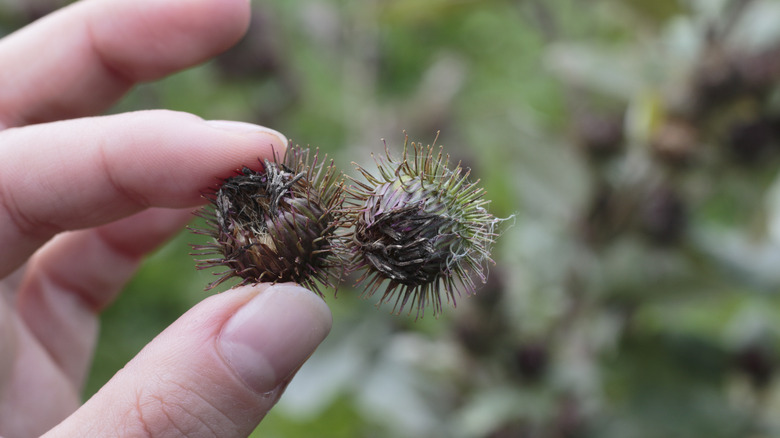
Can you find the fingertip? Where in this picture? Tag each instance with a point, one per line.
(269, 338)
(277, 137)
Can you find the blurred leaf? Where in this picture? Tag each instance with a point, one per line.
(659, 11)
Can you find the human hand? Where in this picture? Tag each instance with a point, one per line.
(81, 202)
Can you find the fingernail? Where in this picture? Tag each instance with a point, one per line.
(271, 336)
(244, 127)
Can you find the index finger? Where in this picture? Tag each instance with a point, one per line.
(87, 172)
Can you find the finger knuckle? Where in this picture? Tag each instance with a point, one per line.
(181, 411)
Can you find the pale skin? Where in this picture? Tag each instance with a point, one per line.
(83, 199)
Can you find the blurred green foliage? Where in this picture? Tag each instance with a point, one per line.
(636, 141)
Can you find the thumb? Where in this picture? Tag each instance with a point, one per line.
(216, 371)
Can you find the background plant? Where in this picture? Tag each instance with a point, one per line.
(636, 139)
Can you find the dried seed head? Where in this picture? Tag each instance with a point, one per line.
(275, 225)
(420, 229)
